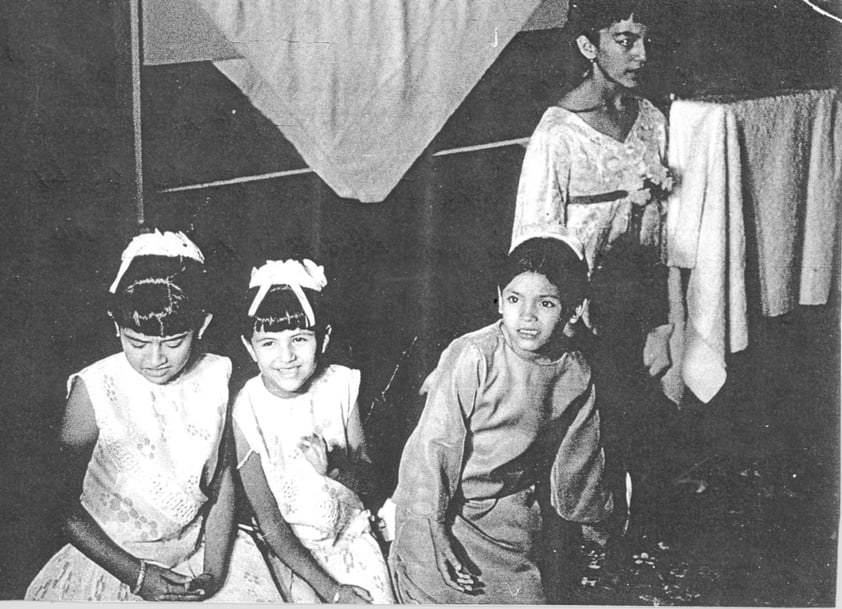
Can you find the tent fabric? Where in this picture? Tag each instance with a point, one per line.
(361, 88)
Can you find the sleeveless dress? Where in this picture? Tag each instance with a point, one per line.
(328, 518)
(157, 446)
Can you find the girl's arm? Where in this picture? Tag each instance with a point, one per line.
(78, 437)
(280, 537)
(220, 522)
(433, 459)
(579, 492)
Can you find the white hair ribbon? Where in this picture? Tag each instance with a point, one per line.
(156, 244)
(292, 273)
(550, 231)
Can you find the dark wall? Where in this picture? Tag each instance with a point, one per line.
(415, 265)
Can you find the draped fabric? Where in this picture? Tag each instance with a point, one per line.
(361, 88)
(777, 159)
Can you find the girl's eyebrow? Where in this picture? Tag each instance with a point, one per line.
(172, 339)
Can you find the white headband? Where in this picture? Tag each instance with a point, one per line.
(156, 244)
(292, 273)
(550, 231)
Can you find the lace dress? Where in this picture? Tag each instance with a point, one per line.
(612, 194)
(328, 518)
(157, 446)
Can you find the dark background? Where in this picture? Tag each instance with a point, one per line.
(415, 265)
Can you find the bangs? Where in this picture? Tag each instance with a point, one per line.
(281, 310)
(555, 260)
(155, 307)
(594, 15)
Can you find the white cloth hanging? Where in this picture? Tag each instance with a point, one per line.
(705, 233)
(361, 87)
(783, 155)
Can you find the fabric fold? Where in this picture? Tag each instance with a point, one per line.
(706, 234)
(361, 88)
(778, 158)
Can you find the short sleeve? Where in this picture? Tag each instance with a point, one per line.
(246, 430)
(544, 180)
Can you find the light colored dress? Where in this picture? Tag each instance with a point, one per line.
(588, 181)
(498, 421)
(328, 517)
(157, 446)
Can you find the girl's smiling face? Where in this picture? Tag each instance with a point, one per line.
(532, 310)
(286, 359)
(158, 359)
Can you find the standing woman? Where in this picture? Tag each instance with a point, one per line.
(596, 163)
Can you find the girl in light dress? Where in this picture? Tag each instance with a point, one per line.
(300, 446)
(151, 511)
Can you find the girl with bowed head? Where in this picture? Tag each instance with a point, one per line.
(144, 431)
(300, 446)
(596, 163)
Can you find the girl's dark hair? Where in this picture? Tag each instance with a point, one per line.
(281, 310)
(160, 296)
(588, 17)
(553, 259)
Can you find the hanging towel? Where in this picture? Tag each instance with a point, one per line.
(360, 87)
(792, 158)
(705, 233)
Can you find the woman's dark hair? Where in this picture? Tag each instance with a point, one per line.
(555, 260)
(160, 296)
(281, 310)
(588, 17)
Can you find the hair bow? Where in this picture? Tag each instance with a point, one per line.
(295, 274)
(550, 231)
(156, 244)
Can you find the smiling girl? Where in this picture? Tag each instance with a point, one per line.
(150, 508)
(510, 412)
(300, 445)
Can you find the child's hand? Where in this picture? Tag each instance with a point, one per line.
(205, 585)
(314, 448)
(352, 595)
(656, 352)
(160, 584)
(596, 534)
(451, 569)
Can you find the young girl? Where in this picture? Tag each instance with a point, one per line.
(145, 430)
(300, 446)
(509, 407)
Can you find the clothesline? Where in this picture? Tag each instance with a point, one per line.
(305, 170)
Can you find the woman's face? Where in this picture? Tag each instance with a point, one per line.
(621, 52)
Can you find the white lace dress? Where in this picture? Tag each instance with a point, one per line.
(157, 445)
(327, 517)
